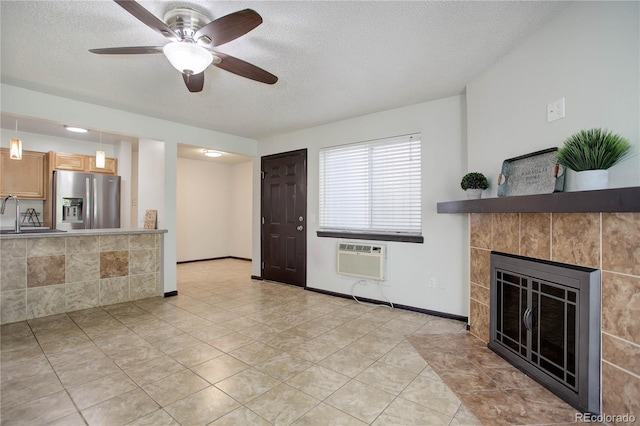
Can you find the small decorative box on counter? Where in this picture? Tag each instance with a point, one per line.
(529, 174)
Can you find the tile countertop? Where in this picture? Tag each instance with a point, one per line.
(83, 233)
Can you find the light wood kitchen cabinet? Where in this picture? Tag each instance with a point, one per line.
(110, 166)
(67, 161)
(81, 163)
(23, 178)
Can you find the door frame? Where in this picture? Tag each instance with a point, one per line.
(306, 191)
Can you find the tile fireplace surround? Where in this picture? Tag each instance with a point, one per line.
(609, 241)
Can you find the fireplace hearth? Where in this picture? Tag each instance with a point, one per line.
(545, 320)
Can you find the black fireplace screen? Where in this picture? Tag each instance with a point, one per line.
(545, 320)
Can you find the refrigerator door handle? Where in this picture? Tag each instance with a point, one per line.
(87, 213)
(95, 203)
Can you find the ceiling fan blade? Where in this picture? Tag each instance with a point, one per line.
(148, 18)
(244, 69)
(134, 50)
(229, 27)
(194, 82)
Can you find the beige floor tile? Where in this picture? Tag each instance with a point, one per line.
(73, 419)
(9, 358)
(39, 411)
(255, 353)
(317, 343)
(174, 387)
(282, 405)
(314, 350)
(196, 354)
(120, 409)
(283, 366)
(360, 400)
(318, 382)
(102, 389)
(433, 394)
(23, 369)
(406, 413)
(247, 385)
(73, 375)
(175, 343)
(401, 326)
(219, 368)
(25, 389)
(231, 341)
(156, 418)
(347, 363)
(371, 347)
(286, 340)
(127, 358)
(241, 416)
(202, 408)
(408, 360)
(323, 414)
(153, 370)
(61, 360)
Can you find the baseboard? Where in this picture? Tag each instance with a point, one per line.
(214, 258)
(405, 307)
(171, 293)
(257, 277)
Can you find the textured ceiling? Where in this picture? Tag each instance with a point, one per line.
(334, 59)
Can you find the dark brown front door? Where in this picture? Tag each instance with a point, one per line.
(284, 216)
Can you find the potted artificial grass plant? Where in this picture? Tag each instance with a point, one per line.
(474, 183)
(590, 153)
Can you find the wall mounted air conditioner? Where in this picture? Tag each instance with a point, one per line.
(362, 260)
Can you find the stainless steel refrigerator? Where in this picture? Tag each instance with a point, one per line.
(85, 200)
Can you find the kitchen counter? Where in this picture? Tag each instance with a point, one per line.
(30, 232)
(48, 273)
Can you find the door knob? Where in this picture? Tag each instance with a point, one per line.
(300, 228)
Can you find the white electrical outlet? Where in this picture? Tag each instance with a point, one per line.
(555, 110)
(432, 282)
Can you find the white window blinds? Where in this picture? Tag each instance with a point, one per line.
(372, 187)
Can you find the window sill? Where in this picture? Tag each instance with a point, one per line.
(375, 237)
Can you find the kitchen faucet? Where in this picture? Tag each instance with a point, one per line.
(4, 203)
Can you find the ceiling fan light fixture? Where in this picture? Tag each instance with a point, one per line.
(211, 153)
(188, 58)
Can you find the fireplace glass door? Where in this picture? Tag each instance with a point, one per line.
(537, 320)
(545, 320)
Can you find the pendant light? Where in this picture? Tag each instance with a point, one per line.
(15, 147)
(100, 156)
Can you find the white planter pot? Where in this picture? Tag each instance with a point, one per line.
(592, 179)
(474, 194)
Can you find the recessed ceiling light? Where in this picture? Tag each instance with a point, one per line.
(211, 153)
(75, 129)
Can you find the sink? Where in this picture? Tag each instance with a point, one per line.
(30, 231)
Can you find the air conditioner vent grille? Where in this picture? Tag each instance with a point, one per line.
(361, 260)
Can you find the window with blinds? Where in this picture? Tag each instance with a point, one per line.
(372, 187)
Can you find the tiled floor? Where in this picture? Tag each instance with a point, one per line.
(232, 351)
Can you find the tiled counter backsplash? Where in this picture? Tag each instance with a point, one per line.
(47, 276)
(607, 241)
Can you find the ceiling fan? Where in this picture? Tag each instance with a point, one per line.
(192, 39)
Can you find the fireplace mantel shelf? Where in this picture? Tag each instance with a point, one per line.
(607, 200)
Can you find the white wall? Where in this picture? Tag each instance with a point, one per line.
(151, 179)
(214, 210)
(409, 265)
(241, 207)
(590, 56)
